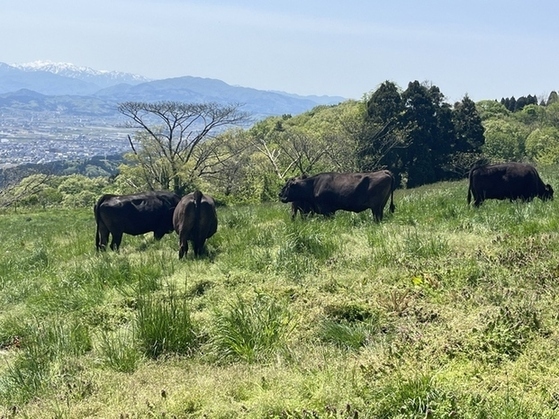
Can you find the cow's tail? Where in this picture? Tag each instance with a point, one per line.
(470, 187)
(392, 207)
(197, 204)
(197, 228)
(197, 197)
(97, 221)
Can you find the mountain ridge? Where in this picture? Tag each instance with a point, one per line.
(101, 77)
(65, 83)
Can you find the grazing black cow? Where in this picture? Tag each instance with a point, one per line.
(327, 193)
(507, 181)
(133, 214)
(194, 219)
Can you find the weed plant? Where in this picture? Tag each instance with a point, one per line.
(250, 330)
(441, 310)
(165, 326)
(119, 351)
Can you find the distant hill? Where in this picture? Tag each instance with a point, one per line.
(96, 166)
(81, 91)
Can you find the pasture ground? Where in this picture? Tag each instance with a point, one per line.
(440, 311)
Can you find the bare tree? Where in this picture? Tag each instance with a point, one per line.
(170, 136)
(225, 160)
(294, 149)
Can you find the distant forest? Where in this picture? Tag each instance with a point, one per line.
(105, 166)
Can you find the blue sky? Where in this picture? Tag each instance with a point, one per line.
(487, 49)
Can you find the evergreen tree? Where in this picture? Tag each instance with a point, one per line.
(381, 137)
(385, 104)
(512, 104)
(469, 129)
(429, 132)
(553, 98)
(470, 138)
(520, 103)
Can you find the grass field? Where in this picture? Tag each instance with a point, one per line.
(440, 311)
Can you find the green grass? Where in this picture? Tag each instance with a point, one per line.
(441, 310)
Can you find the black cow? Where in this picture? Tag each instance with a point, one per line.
(194, 219)
(327, 193)
(507, 181)
(133, 214)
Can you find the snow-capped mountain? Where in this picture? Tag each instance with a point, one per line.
(82, 90)
(102, 78)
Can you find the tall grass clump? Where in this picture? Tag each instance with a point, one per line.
(238, 218)
(424, 245)
(382, 244)
(348, 335)
(251, 330)
(418, 397)
(164, 325)
(304, 247)
(48, 343)
(350, 326)
(119, 351)
(36, 259)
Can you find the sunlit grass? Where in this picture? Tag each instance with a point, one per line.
(441, 308)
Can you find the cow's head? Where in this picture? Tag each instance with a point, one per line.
(292, 189)
(285, 191)
(547, 193)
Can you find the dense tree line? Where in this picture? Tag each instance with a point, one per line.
(515, 105)
(531, 134)
(413, 132)
(431, 140)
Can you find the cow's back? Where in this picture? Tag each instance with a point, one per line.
(183, 215)
(133, 214)
(139, 213)
(353, 192)
(194, 219)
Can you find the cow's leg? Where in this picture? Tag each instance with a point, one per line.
(158, 235)
(115, 242)
(377, 214)
(183, 246)
(102, 238)
(199, 246)
(196, 244)
(293, 211)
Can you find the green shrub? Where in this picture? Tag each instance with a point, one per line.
(165, 326)
(251, 330)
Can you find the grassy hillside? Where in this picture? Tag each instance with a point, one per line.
(440, 311)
